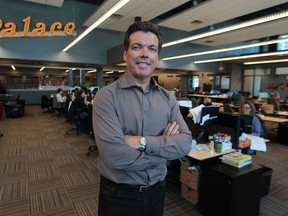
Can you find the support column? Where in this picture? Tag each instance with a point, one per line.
(70, 77)
(82, 77)
(99, 76)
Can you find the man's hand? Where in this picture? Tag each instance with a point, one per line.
(171, 129)
(134, 141)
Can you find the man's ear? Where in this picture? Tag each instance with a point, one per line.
(125, 56)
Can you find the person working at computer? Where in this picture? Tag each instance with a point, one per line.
(276, 96)
(285, 102)
(60, 101)
(59, 97)
(138, 127)
(248, 108)
(80, 103)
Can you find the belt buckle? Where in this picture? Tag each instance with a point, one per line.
(144, 189)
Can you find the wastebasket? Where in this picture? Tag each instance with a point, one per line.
(266, 180)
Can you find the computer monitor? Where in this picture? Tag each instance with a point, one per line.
(226, 123)
(263, 95)
(215, 92)
(232, 92)
(246, 122)
(208, 115)
(246, 94)
(207, 87)
(91, 88)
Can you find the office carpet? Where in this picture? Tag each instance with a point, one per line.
(43, 171)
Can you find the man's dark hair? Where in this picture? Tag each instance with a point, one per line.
(145, 27)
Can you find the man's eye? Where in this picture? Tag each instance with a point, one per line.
(153, 49)
(136, 47)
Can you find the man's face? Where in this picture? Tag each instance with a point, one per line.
(142, 55)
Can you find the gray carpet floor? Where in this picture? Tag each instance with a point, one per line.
(43, 171)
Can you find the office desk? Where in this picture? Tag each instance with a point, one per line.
(213, 98)
(206, 154)
(229, 191)
(282, 113)
(274, 119)
(190, 181)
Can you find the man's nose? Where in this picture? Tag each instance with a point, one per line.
(144, 51)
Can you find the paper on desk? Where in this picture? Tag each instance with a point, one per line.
(257, 143)
(185, 103)
(196, 113)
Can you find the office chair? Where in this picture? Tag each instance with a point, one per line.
(77, 122)
(46, 103)
(15, 109)
(227, 108)
(80, 124)
(194, 102)
(274, 103)
(91, 148)
(238, 99)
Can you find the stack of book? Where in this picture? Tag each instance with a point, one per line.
(237, 159)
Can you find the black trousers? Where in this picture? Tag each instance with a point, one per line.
(123, 200)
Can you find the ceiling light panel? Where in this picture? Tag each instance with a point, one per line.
(56, 3)
(219, 11)
(277, 27)
(147, 10)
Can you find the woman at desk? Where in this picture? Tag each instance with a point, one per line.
(247, 108)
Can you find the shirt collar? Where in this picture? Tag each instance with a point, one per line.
(127, 81)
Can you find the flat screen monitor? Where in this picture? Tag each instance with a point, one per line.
(263, 95)
(215, 91)
(207, 87)
(246, 122)
(246, 94)
(208, 115)
(227, 123)
(91, 88)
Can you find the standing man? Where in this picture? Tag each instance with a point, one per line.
(138, 127)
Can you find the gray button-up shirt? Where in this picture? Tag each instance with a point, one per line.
(122, 108)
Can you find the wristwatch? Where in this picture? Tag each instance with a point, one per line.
(142, 144)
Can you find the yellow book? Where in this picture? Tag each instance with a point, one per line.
(237, 157)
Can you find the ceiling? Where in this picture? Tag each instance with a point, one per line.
(193, 16)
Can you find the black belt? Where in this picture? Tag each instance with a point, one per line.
(134, 188)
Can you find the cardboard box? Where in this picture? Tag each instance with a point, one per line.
(189, 194)
(189, 177)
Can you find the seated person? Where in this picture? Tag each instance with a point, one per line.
(248, 108)
(286, 100)
(60, 101)
(59, 97)
(276, 95)
(80, 105)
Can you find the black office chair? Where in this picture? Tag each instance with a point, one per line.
(46, 104)
(15, 109)
(274, 103)
(238, 99)
(81, 125)
(228, 108)
(91, 148)
(194, 102)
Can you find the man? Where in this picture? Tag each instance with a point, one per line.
(138, 127)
